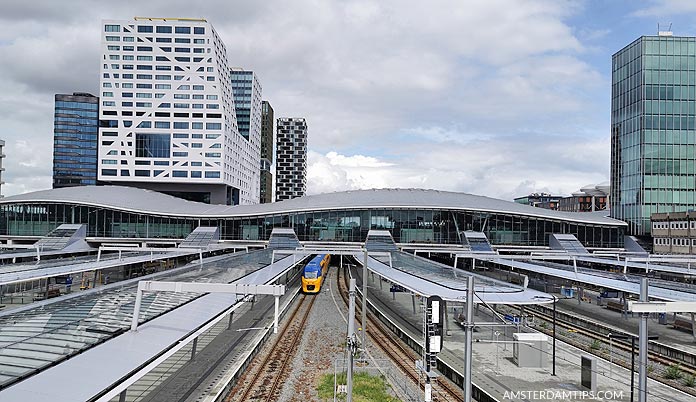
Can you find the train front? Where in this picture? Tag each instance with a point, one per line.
(312, 277)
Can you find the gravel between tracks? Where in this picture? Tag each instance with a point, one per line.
(322, 343)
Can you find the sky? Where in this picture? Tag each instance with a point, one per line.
(491, 97)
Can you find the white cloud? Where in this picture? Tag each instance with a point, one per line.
(467, 96)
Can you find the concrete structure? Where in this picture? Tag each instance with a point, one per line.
(2, 169)
(653, 121)
(267, 151)
(75, 127)
(167, 117)
(674, 232)
(410, 215)
(291, 165)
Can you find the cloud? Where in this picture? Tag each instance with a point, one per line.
(466, 96)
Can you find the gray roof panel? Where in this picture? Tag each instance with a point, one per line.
(151, 202)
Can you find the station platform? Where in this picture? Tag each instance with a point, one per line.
(629, 323)
(493, 367)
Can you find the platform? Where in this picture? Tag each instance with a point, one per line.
(492, 363)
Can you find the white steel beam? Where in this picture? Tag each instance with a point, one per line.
(662, 307)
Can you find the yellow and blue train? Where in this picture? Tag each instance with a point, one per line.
(314, 273)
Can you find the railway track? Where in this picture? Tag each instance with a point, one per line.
(659, 362)
(401, 355)
(266, 378)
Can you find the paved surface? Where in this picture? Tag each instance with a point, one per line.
(495, 372)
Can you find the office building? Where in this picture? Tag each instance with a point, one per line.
(246, 90)
(540, 200)
(167, 113)
(291, 162)
(674, 232)
(653, 129)
(75, 127)
(267, 150)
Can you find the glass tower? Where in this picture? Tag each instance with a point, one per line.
(76, 122)
(653, 133)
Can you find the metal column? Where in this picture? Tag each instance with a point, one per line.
(643, 346)
(275, 317)
(350, 343)
(364, 300)
(469, 332)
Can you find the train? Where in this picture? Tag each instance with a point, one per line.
(314, 273)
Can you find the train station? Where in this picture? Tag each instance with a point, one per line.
(154, 298)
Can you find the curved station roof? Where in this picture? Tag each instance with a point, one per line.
(150, 202)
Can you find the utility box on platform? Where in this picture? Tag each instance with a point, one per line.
(530, 349)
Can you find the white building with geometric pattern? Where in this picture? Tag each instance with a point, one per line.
(167, 114)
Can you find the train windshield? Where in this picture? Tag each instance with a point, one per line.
(311, 274)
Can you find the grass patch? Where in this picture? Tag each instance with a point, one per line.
(366, 388)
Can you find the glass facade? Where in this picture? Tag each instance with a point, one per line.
(653, 129)
(152, 146)
(75, 127)
(440, 226)
(242, 87)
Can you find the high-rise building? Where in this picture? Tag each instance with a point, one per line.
(653, 140)
(267, 148)
(291, 161)
(246, 90)
(167, 115)
(75, 127)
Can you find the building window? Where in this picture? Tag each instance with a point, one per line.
(112, 28)
(152, 145)
(108, 172)
(182, 30)
(164, 29)
(212, 175)
(145, 29)
(179, 173)
(199, 30)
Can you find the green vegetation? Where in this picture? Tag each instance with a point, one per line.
(596, 344)
(673, 372)
(366, 388)
(689, 381)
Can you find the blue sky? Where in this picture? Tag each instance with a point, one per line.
(492, 97)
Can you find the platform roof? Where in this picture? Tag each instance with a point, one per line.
(430, 278)
(11, 274)
(104, 314)
(650, 266)
(620, 282)
(151, 202)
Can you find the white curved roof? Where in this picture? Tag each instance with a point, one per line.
(150, 202)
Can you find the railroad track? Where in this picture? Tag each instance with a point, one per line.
(265, 380)
(655, 358)
(403, 356)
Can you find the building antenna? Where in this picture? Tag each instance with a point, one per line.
(667, 32)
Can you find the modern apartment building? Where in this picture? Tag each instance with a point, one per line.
(75, 129)
(246, 90)
(291, 161)
(267, 150)
(653, 129)
(167, 113)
